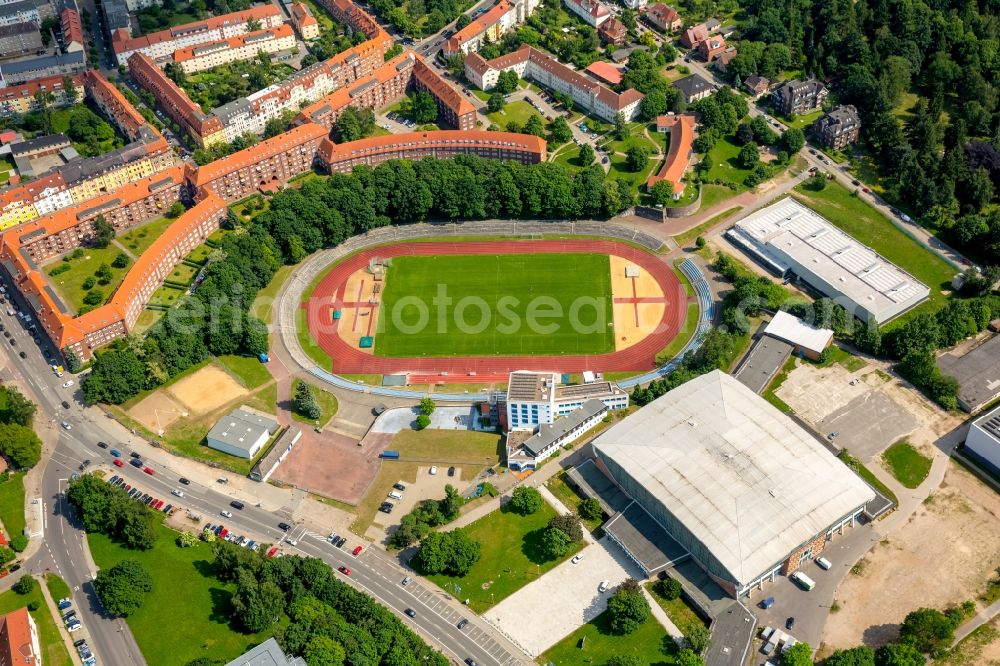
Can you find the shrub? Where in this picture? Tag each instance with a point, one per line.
(628, 608)
(26, 585)
(526, 500)
(89, 282)
(669, 589)
(590, 509)
(19, 542)
(423, 421)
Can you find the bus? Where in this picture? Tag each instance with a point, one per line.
(804, 581)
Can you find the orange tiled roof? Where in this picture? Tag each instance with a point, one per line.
(301, 14)
(17, 646)
(125, 114)
(477, 27)
(441, 89)
(263, 150)
(605, 71)
(681, 138)
(122, 42)
(332, 153)
(283, 30)
(71, 26)
(29, 88)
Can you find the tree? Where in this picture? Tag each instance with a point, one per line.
(698, 637)
(19, 410)
(304, 401)
(427, 406)
(69, 90)
(744, 134)
(687, 657)
(590, 509)
(186, 539)
(926, 629)
(861, 655)
(662, 192)
(20, 445)
(506, 82)
(627, 608)
(26, 585)
(463, 21)
(653, 105)
(749, 156)
(104, 232)
(526, 500)
(354, 124)
(123, 587)
(6, 555)
(256, 604)
(816, 183)
(620, 131)
(323, 650)
(176, 210)
(495, 103)
(452, 553)
(555, 543)
(19, 542)
(669, 588)
(637, 157)
(585, 156)
(899, 654)
(423, 108)
(569, 524)
(534, 126)
(793, 140)
(624, 660)
(116, 376)
(559, 131)
(799, 654)
(121, 260)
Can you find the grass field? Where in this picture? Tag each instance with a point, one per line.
(594, 643)
(262, 306)
(566, 494)
(139, 239)
(679, 612)
(683, 336)
(186, 615)
(722, 158)
(517, 111)
(12, 503)
(248, 370)
(54, 652)
(500, 292)
(511, 557)
(57, 587)
(802, 120)
(868, 226)
(326, 401)
(908, 465)
(691, 235)
(70, 283)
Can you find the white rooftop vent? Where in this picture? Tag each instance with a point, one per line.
(870, 269)
(843, 250)
(819, 233)
(899, 287)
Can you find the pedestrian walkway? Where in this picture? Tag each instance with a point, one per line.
(54, 610)
(981, 618)
(662, 617)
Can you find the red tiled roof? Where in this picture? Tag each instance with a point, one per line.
(16, 646)
(122, 42)
(679, 153)
(188, 53)
(71, 26)
(441, 89)
(477, 27)
(29, 88)
(662, 14)
(605, 71)
(301, 14)
(332, 153)
(263, 150)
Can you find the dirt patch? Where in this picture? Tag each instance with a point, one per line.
(633, 319)
(206, 390)
(330, 465)
(157, 411)
(942, 556)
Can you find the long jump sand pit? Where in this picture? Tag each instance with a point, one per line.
(639, 302)
(157, 411)
(206, 390)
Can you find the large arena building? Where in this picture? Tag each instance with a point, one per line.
(787, 237)
(736, 485)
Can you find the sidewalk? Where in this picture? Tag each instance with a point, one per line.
(662, 617)
(57, 616)
(981, 618)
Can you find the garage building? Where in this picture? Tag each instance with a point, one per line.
(742, 488)
(242, 432)
(787, 237)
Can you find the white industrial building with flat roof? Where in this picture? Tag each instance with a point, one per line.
(242, 432)
(740, 486)
(983, 442)
(788, 237)
(804, 339)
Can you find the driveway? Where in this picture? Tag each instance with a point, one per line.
(541, 613)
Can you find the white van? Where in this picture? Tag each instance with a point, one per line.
(394, 495)
(823, 563)
(803, 580)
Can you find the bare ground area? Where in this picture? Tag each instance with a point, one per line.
(943, 555)
(206, 390)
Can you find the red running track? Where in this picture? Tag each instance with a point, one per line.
(641, 356)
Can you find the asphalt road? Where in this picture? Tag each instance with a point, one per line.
(64, 548)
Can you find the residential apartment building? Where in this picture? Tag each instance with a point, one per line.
(161, 45)
(106, 173)
(537, 398)
(796, 96)
(25, 11)
(344, 157)
(116, 17)
(546, 71)
(664, 17)
(18, 39)
(23, 97)
(592, 12)
(695, 35)
(305, 23)
(115, 107)
(21, 71)
(271, 162)
(241, 47)
(19, 643)
(72, 30)
(693, 88)
(494, 24)
(453, 108)
(839, 128)
(348, 13)
(635, 4)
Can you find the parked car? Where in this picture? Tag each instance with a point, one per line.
(823, 563)
(433, 470)
(117, 462)
(357, 550)
(463, 623)
(134, 455)
(399, 486)
(577, 558)
(451, 471)
(406, 581)
(344, 570)
(603, 587)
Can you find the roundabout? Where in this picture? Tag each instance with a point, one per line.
(474, 311)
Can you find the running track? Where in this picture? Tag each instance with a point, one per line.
(329, 295)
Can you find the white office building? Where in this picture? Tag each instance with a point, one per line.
(983, 442)
(787, 237)
(537, 398)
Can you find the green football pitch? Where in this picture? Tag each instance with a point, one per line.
(506, 304)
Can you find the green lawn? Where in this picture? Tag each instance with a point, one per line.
(54, 652)
(678, 610)
(691, 235)
(327, 404)
(166, 295)
(57, 587)
(868, 226)
(12, 503)
(146, 321)
(263, 302)
(518, 111)
(683, 336)
(308, 344)
(568, 495)
(714, 194)
(568, 158)
(139, 239)
(511, 557)
(858, 467)
(637, 179)
(186, 615)
(449, 446)
(635, 138)
(722, 158)
(908, 465)
(183, 273)
(594, 643)
(248, 370)
(501, 304)
(70, 283)
(803, 120)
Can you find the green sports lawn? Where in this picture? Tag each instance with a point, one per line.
(507, 287)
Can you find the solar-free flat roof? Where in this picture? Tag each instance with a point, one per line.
(977, 372)
(745, 480)
(793, 330)
(790, 229)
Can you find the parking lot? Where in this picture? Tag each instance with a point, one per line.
(540, 614)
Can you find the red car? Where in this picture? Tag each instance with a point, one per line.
(148, 470)
(357, 551)
(117, 462)
(865, 190)
(271, 553)
(158, 504)
(344, 570)
(223, 533)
